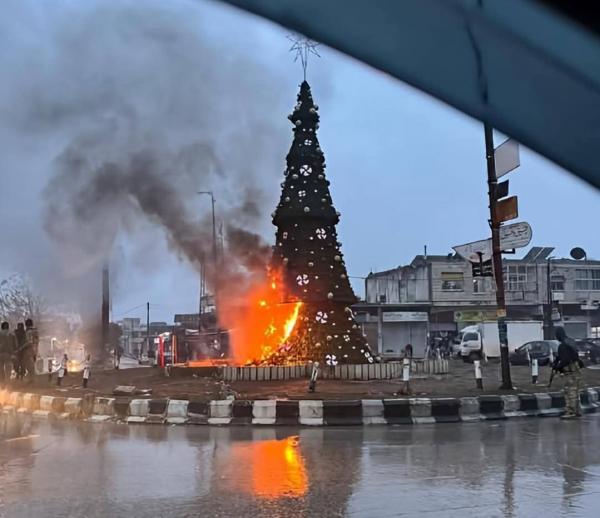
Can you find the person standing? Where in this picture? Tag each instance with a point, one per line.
(21, 339)
(8, 347)
(569, 365)
(62, 370)
(31, 350)
(87, 370)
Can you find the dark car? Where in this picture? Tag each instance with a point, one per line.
(589, 351)
(539, 350)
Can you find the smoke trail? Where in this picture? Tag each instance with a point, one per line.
(131, 108)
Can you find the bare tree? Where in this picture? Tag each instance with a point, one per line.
(18, 301)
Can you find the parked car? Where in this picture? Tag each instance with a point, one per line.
(538, 349)
(589, 351)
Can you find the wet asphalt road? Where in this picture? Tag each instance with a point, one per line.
(520, 468)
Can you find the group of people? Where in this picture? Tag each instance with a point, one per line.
(18, 351)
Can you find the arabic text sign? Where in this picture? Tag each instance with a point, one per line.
(516, 235)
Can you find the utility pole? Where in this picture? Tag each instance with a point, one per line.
(148, 328)
(495, 225)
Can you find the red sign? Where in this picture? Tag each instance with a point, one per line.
(507, 209)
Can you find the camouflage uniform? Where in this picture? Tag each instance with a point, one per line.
(569, 365)
(572, 377)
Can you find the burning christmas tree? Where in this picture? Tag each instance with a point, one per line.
(307, 266)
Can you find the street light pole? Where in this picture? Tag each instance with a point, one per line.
(495, 225)
(148, 328)
(200, 299)
(214, 228)
(215, 255)
(549, 325)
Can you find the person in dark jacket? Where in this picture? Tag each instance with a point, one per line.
(30, 351)
(569, 365)
(8, 346)
(21, 337)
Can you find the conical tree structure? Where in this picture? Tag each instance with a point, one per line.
(307, 254)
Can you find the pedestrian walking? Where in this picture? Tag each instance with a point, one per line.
(118, 354)
(87, 370)
(62, 370)
(21, 338)
(569, 365)
(8, 346)
(408, 351)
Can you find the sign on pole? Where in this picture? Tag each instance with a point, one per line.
(507, 209)
(516, 235)
(512, 236)
(471, 251)
(506, 156)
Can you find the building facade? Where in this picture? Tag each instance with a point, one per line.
(435, 296)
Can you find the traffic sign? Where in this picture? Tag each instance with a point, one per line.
(476, 250)
(502, 190)
(515, 235)
(512, 236)
(507, 209)
(506, 156)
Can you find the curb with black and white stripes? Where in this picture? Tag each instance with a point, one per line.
(291, 412)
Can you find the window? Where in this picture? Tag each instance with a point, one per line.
(481, 285)
(557, 283)
(587, 279)
(470, 337)
(519, 278)
(538, 347)
(453, 281)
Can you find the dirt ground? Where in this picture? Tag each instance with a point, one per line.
(460, 382)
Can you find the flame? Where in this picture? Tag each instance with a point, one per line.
(290, 323)
(261, 323)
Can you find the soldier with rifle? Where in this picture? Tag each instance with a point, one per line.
(568, 364)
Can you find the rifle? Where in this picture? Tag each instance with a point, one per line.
(553, 372)
(551, 377)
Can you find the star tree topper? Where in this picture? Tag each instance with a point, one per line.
(303, 47)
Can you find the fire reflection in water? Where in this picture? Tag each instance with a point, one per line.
(272, 469)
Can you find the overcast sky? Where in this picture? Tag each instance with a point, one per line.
(406, 170)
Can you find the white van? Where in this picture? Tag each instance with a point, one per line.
(483, 339)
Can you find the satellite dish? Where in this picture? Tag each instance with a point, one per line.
(578, 253)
